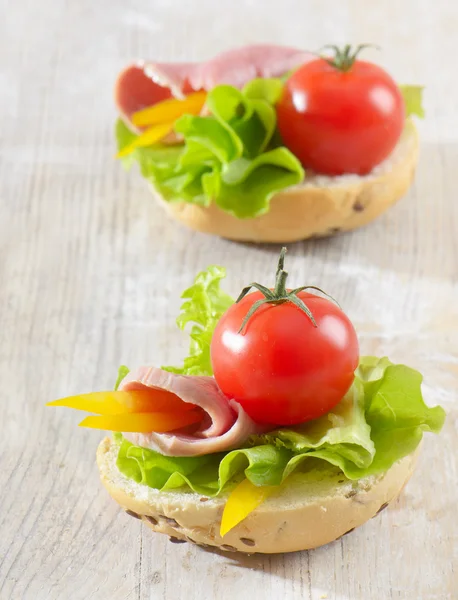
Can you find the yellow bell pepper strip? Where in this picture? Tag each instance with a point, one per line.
(116, 403)
(144, 422)
(169, 110)
(243, 500)
(147, 138)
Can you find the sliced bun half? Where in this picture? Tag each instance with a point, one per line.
(307, 512)
(320, 206)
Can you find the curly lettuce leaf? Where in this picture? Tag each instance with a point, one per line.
(241, 129)
(252, 120)
(145, 466)
(122, 372)
(204, 304)
(342, 436)
(381, 420)
(151, 158)
(207, 134)
(256, 181)
(269, 89)
(209, 474)
(395, 410)
(384, 423)
(413, 100)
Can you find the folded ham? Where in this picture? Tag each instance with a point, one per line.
(239, 66)
(147, 83)
(225, 424)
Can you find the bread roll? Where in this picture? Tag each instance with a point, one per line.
(308, 510)
(320, 206)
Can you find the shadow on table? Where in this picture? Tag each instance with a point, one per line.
(403, 240)
(267, 562)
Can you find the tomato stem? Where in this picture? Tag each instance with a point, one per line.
(280, 284)
(344, 58)
(279, 295)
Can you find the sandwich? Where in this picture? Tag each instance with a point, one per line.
(269, 143)
(274, 435)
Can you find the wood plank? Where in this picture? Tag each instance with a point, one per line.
(91, 272)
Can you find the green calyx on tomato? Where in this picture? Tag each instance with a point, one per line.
(345, 57)
(279, 294)
(283, 366)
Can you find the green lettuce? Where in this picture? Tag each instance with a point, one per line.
(381, 419)
(232, 157)
(204, 304)
(122, 372)
(365, 435)
(209, 474)
(269, 89)
(413, 100)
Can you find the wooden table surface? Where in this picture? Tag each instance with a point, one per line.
(91, 272)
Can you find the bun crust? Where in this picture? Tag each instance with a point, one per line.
(320, 207)
(306, 513)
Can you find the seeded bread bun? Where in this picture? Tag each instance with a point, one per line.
(307, 512)
(321, 206)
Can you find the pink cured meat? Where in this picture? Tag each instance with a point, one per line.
(239, 66)
(147, 83)
(225, 426)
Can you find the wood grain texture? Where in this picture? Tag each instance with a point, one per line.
(91, 271)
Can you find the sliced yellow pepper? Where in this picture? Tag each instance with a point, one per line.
(117, 403)
(243, 500)
(143, 422)
(147, 138)
(169, 110)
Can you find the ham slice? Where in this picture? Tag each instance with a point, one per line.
(146, 83)
(239, 66)
(224, 426)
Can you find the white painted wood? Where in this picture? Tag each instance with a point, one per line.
(90, 277)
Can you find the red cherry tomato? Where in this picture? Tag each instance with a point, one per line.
(282, 368)
(342, 118)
